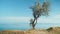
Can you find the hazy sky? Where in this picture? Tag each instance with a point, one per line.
(18, 11)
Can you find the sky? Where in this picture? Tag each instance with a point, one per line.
(19, 11)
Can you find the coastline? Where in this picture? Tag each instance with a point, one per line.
(51, 30)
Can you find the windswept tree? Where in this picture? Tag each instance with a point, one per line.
(38, 11)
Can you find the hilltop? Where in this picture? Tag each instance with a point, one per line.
(51, 30)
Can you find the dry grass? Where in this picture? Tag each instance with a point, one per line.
(52, 30)
(11, 32)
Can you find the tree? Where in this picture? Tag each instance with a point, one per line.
(38, 11)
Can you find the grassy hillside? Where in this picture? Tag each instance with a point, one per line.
(11, 32)
(51, 30)
(54, 30)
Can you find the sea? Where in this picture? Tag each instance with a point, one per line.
(25, 26)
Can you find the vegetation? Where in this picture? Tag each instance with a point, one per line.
(38, 11)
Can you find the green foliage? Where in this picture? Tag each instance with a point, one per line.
(38, 11)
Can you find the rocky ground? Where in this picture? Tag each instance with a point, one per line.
(51, 30)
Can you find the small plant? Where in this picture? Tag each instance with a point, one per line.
(50, 29)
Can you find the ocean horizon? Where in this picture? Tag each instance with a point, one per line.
(26, 26)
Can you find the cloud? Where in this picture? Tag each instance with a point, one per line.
(14, 19)
(57, 16)
(52, 19)
(49, 20)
